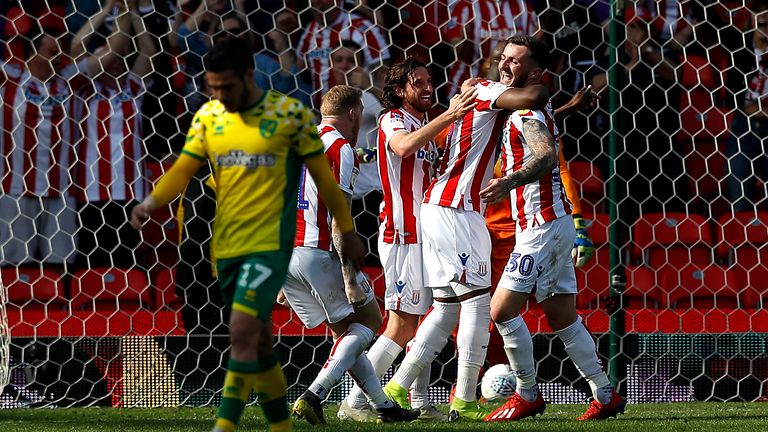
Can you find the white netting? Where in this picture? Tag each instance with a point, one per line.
(124, 319)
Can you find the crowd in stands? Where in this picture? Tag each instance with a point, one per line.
(93, 92)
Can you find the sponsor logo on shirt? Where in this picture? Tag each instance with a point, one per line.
(319, 53)
(243, 159)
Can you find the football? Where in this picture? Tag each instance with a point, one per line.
(498, 383)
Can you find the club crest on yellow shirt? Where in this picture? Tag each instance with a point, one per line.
(267, 127)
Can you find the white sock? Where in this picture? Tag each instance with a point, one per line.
(363, 374)
(518, 345)
(420, 388)
(343, 355)
(382, 354)
(581, 349)
(431, 337)
(472, 340)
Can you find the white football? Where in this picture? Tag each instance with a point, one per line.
(498, 383)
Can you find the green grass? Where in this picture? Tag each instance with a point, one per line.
(698, 417)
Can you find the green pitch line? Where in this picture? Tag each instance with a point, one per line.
(693, 417)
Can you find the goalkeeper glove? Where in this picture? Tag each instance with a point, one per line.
(366, 155)
(583, 249)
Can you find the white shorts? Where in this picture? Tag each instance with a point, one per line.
(541, 262)
(404, 278)
(36, 229)
(314, 287)
(457, 247)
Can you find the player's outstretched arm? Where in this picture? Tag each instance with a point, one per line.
(584, 100)
(350, 248)
(533, 97)
(169, 187)
(405, 144)
(542, 145)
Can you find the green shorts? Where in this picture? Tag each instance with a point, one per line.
(250, 283)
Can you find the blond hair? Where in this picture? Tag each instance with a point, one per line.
(340, 99)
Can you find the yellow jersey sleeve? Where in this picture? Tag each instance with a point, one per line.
(306, 139)
(195, 145)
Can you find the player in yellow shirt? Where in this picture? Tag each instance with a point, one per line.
(256, 142)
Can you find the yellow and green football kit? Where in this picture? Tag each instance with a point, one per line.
(256, 156)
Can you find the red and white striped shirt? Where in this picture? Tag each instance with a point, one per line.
(37, 134)
(403, 180)
(471, 150)
(318, 41)
(543, 200)
(112, 154)
(669, 17)
(313, 220)
(482, 24)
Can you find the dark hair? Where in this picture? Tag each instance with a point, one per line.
(355, 48)
(538, 48)
(398, 77)
(230, 53)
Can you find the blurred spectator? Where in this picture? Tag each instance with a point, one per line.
(276, 67)
(193, 36)
(576, 36)
(745, 149)
(329, 26)
(347, 68)
(38, 222)
(476, 26)
(670, 23)
(650, 164)
(22, 16)
(110, 178)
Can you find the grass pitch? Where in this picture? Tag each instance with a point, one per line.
(698, 417)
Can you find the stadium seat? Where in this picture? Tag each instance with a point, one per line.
(33, 287)
(162, 229)
(642, 291)
(662, 240)
(590, 180)
(163, 280)
(703, 288)
(743, 244)
(594, 279)
(110, 289)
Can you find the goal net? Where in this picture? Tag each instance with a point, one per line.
(670, 167)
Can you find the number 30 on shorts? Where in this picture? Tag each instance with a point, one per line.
(524, 264)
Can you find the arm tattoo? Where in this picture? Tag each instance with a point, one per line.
(542, 144)
(346, 268)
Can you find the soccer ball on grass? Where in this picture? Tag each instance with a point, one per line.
(498, 383)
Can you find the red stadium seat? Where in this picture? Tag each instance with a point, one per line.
(110, 289)
(705, 169)
(743, 243)
(162, 229)
(593, 279)
(674, 240)
(703, 288)
(592, 187)
(163, 280)
(642, 291)
(33, 287)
